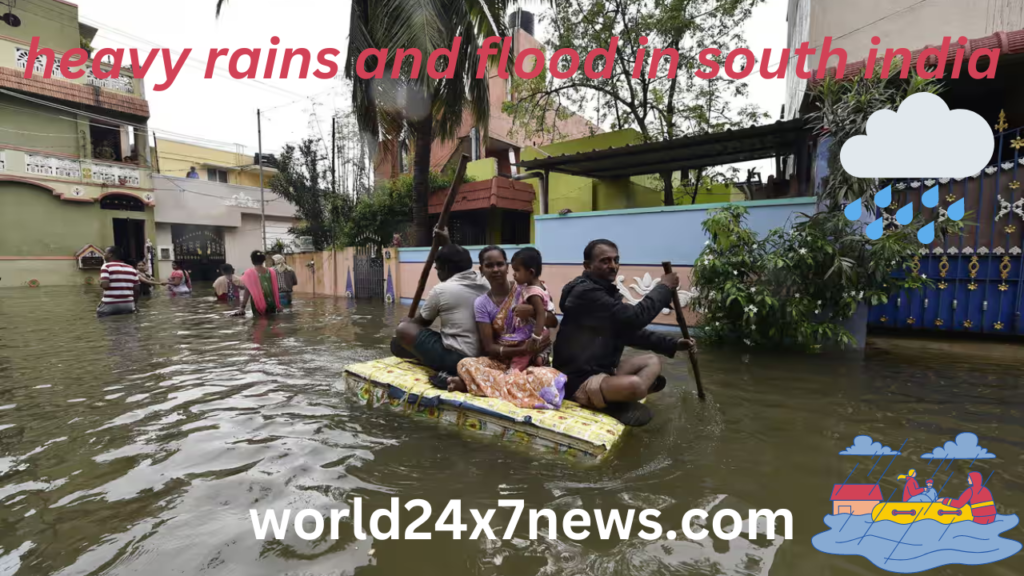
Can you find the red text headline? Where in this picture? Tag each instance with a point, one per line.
(739, 63)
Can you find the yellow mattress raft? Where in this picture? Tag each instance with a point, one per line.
(405, 386)
(908, 512)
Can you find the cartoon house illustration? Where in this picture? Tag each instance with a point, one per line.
(855, 499)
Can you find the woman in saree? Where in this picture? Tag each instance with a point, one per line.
(179, 282)
(261, 288)
(503, 338)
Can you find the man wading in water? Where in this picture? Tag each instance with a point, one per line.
(597, 326)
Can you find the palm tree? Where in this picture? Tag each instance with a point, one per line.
(423, 108)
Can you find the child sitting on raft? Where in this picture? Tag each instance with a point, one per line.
(526, 267)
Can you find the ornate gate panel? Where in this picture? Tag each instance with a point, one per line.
(368, 270)
(978, 274)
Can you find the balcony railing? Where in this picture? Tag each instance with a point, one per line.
(86, 170)
(123, 83)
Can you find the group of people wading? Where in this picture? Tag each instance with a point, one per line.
(494, 337)
(265, 289)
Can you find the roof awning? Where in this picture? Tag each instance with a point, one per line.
(495, 192)
(755, 143)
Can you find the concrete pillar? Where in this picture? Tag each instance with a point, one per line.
(142, 147)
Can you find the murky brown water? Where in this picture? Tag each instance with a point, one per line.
(137, 445)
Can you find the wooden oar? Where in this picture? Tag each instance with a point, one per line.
(686, 333)
(442, 223)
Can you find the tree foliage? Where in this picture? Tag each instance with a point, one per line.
(386, 210)
(842, 111)
(414, 105)
(660, 108)
(334, 220)
(303, 179)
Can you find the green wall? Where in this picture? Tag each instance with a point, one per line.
(56, 24)
(35, 223)
(482, 169)
(581, 194)
(38, 127)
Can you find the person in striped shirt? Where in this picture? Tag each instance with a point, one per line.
(120, 284)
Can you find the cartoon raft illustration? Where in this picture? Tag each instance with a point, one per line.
(907, 512)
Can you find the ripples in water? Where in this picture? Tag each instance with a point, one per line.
(137, 445)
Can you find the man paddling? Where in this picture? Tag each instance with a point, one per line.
(597, 325)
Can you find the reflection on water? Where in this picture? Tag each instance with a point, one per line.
(137, 445)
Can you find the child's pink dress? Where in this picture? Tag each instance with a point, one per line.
(523, 362)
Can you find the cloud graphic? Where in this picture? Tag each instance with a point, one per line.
(965, 447)
(865, 446)
(923, 139)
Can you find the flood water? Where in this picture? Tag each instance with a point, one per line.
(137, 445)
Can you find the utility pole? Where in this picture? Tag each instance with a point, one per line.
(263, 205)
(334, 154)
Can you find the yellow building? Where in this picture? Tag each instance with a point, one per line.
(224, 165)
(217, 216)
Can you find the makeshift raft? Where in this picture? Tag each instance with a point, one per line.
(402, 385)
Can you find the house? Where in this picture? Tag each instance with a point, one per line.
(855, 499)
(217, 218)
(617, 171)
(75, 163)
(852, 25)
(225, 165)
(501, 218)
(978, 272)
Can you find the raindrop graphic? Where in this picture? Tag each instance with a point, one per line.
(927, 233)
(852, 210)
(931, 197)
(874, 230)
(884, 197)
(905, 214)
(956, 210)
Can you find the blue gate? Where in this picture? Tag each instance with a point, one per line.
(977, 274)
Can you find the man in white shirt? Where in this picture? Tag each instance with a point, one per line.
(451, 301)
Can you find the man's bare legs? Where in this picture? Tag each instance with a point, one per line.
(632, 380)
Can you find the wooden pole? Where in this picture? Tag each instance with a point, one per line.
(686, 333)
(442, 223)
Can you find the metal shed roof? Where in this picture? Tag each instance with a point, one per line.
(727, 147)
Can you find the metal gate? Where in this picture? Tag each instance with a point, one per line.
(368, 270)
(979, 275)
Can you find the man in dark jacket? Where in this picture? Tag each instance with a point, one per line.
(597, 325)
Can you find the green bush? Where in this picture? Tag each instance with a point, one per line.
(387, 209)
(796, 287)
